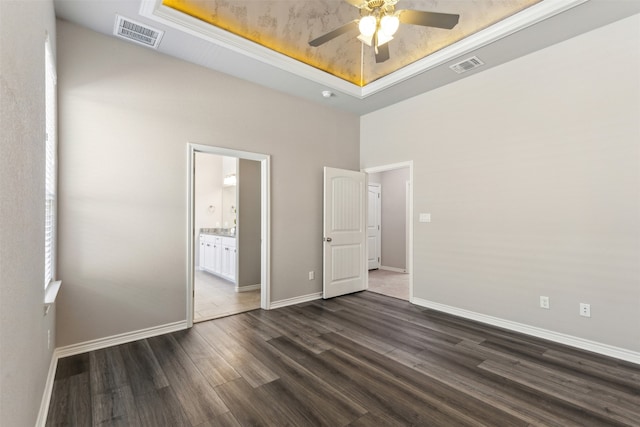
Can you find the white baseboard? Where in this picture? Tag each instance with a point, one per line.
(295, 300)
(48, 390)
(572, 341)
(394, 269)
(124, 338)
(247, 288)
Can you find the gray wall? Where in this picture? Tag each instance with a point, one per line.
(375, 178)
(207, 193)
(24, 357)
(126, 116)
(531, 171)
(394, 233)
(249, 209)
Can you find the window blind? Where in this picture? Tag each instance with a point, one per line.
(50, 165)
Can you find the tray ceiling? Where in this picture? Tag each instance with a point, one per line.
(286, 26)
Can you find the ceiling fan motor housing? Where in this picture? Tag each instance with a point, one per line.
(372, 4)
(378, 7)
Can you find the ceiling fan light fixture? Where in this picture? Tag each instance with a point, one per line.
(380, 21)
(389, 24)
(383, 38)
(366, 40)
(368, 25)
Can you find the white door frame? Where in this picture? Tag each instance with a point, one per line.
(264, 159)
(408, 226)
(409, 240)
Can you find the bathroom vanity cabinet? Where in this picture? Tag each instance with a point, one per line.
(218, 255)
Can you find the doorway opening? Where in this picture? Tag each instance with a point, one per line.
(228, 231)
(390, 230)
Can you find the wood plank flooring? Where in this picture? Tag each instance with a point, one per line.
(358, 360)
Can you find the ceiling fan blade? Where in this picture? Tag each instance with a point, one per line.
(382, 53)
(429, 19)
(353, 25)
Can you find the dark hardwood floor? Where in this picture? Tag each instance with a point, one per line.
(358, 360)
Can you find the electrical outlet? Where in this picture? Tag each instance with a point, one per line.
(312, 275)
(544, 302)
(585, 309)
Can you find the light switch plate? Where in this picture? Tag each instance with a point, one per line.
(425, 217)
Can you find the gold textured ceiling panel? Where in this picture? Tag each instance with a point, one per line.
(286, 26)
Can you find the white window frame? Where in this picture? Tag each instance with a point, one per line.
(51, 171)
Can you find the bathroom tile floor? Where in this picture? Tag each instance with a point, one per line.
(216, 297)
(389, 283)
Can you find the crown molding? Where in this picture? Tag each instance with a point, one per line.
(156, 11)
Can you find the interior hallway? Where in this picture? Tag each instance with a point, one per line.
(389, 283)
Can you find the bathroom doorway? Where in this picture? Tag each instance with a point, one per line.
(228, 231)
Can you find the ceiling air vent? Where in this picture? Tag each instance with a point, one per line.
(466, 65)
(137, 32)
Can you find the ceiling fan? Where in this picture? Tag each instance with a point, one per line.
(380, 20)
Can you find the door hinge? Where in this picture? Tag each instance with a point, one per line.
(378, 227)
(378, 259)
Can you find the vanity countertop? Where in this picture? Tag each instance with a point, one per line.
(224, 232)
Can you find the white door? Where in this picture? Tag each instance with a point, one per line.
(344, 262)
(373, 227)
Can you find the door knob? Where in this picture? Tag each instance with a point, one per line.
(327, 239)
